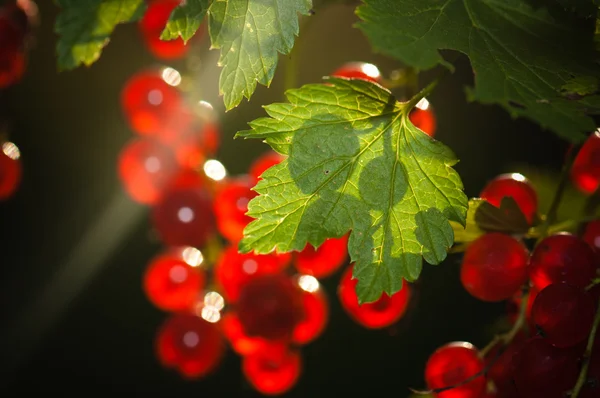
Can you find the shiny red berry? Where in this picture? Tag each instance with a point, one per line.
(172, 282)
(270, 306)
(423, 118)
(272, 375)
(190, 344)
(264, 162)
(563, 314)
(12, 53)
(315, 309)
(379, 314)
(151, 106)
(562, 257)
(10, 169)
(183, 216)
(324, 260)
(585, 172)
(359, 70)
(494, 267)
(516, 186)
(239, 340)
(233, 270)
(452, 364)
(146, 167)
(231, 206)
(153, 23)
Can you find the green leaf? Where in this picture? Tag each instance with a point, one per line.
(250, 34)
(470, 231)
(185, 20)
(84, 27)
(521, 54)
(580, 86)
(355, 162)
(507, 218)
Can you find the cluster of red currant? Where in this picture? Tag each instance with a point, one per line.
(543, 355)
(265, 307)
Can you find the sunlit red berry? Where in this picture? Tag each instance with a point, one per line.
(585, 172)
(10, 169)
(359, 70)
(171, 283)
(152, 25)
(183, 216)
(315, 309)
(264, 162)
(452, 364)
(562, 257)
(231, 205)
(379, 314)
(516, 186)
(544, 371)
(146, 167)
(324, 260)
(270, 306)
(233, 270)
(190, 344)
(423, 117)
(494, 267)
(563, 314)
(272, 375)
(151, 106)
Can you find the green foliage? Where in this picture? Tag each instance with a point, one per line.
(470, 231)
(84, 27)
(507, 218)
(185, 20)
(250, 34)
(355, 163)
(521, 52)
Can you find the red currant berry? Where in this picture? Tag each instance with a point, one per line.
(171, 283)
(359, 70)
(585, 173)
(146, 168)
(12, 53)
(233, 270)
(494, 267)
(591, 235)
(316, 311)
(452, 364)
(324, 260)
(237, 337)
(423, 118)
(264, 162)
(270, 306)
(150, 104)
(562, 257)
(502, 367)
(183, 216)
(190, 344)
(379, 314)
(272, 376)
(231, 206)
(516, 186)
(563, 314)
(10, 169)
(152, 24)
(514, 306)
(544, 371)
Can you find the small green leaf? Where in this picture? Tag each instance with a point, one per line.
(507, 218)
(355, 163)
(84, 27)
(250, 34)
(470, 231)
(580, 86)
(521, 52)
(185, 20)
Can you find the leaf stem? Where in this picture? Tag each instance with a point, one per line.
(586, 356)
(427, 90)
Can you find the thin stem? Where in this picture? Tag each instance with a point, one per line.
(427, 90)
(586, 356)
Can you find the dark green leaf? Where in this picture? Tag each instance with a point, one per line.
(580, 86)
(250, 34)
(185, 20)
(357, 163)
(84, 27)
(521, 54)
(507, 218)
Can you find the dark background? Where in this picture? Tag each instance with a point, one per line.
(73, 248)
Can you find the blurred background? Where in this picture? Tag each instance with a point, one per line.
(74, 317)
